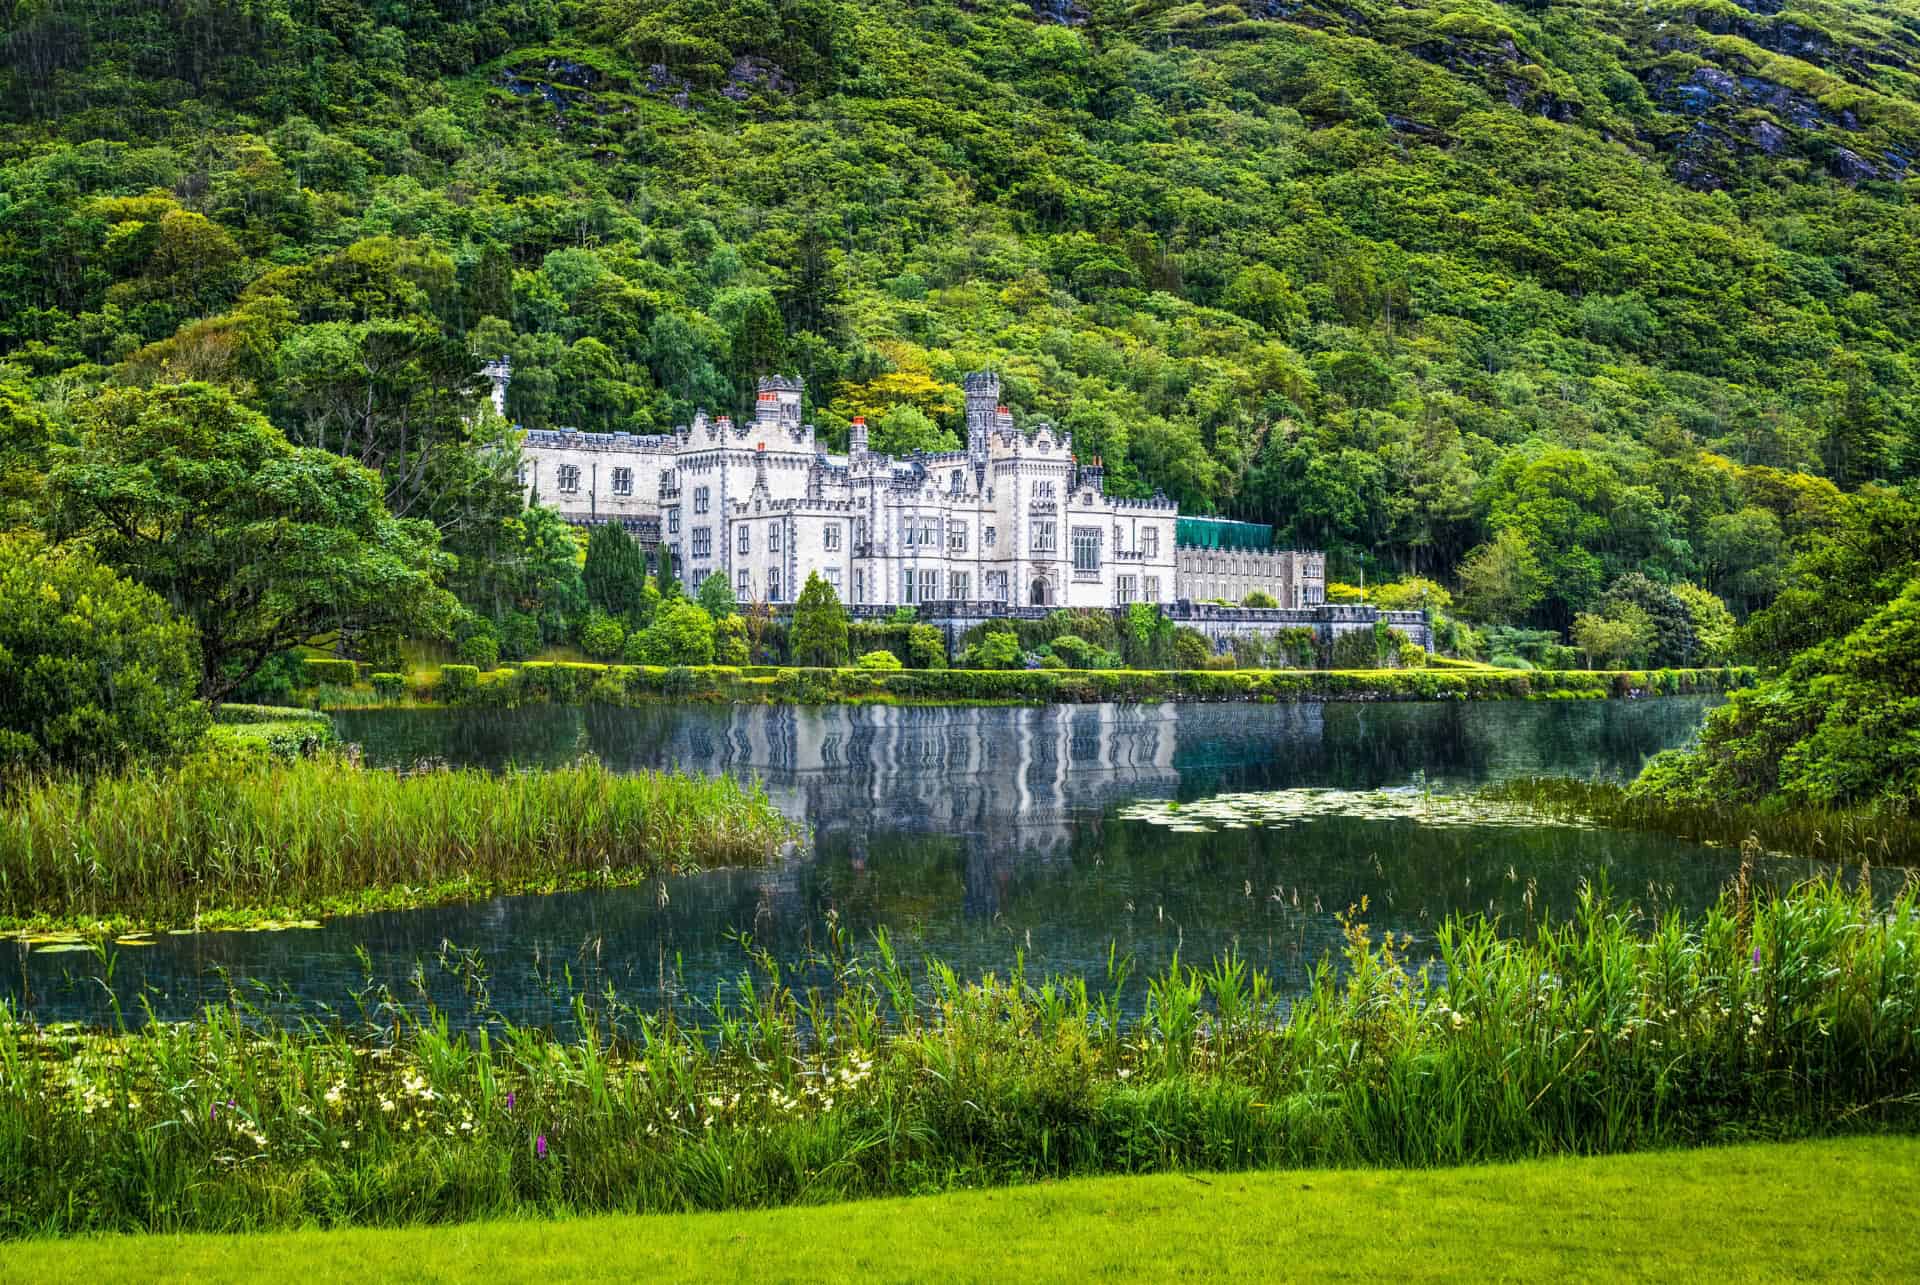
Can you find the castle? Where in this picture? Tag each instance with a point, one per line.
(1013, 521)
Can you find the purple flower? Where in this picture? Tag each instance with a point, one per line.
(509, 1099)
(213, 1113)
(1756, 957)
(540, 1146)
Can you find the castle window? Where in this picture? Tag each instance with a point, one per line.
(996, 584)
(773, 584)
(520, 475)
(830, 537)
(700, 499)
(1086, 548)
(773, 536)
(859, 586)
(569, 478)
(743, 589)
(906, 586)
(744, 544)
(623, 481)
(702, 542)
(1153, 589)
(1043, 490)
(988, 537)
(929, 532)
(929, 586)
(673, 520)
(1125, 590)
(960, 586)
(1043, 538)
(956, 537)
(833, 580)
(1150, 541)
(1119, 537)
(956, 481)
(666, 482)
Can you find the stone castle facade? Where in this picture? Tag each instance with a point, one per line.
(1012, 521)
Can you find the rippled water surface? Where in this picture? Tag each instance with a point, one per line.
(970, 834)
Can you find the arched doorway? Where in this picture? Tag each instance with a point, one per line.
(1039, 597)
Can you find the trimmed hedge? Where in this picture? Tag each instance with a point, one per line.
(329, 669)
(563, 683)
(241, 714)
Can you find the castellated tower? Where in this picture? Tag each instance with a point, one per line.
(778, 402)
(983, 406)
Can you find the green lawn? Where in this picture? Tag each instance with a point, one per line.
(1838, 1209)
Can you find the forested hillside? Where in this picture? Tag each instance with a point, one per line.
(1522, 297)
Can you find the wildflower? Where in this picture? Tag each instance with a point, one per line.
(509, 1099)
(540, 1146)
(1756, 957)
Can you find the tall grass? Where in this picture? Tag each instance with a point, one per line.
(1883, 837)
(167, 846)
(1771, 1015)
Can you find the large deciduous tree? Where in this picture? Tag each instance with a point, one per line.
(262, 545)
(819, 634)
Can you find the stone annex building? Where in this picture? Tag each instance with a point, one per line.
(1013, 524)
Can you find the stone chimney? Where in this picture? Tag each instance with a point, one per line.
(857, 438)
(500, 372)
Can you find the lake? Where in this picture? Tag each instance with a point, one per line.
(971, 834)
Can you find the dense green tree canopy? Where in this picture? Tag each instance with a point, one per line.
(1589, 289)
(262, 545)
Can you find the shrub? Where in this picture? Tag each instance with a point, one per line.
(519, 635)
(1355, 649)
(601, 636)
(1412, 656)
(926, 647)
(390, 686)
(1190, 649)
(331, 670)
(456, 681)
(1260, 598)
(715, 596)
(681, 634)
(1048, 661)
(730, 639)
(880, 662)
(995, 649)
(480, 648)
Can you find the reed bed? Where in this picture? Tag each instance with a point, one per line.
(222, 836)
(1771, 1015)
(1884, 838)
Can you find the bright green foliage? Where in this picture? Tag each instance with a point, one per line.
(1499, 580)
(1621, 636)
(389, 686)
(330, 669)
(261, 545)
(616, 570)
(730, 645)
(819, 634)
(95, 672)
(1840, 727)
(602, 636)
(681, 634)
(1414, 593)
(1636, 287)
(995, 649)
(456, 682)
(1260, 598)
(715, 595)
(879, 661)
(1713, 624)
(926, 647)
(1843, 576)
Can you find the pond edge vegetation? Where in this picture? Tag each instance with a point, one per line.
(1773, 1014)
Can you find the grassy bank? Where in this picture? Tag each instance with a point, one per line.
(229, 840)
(1881, 838)
(545, 682)
(1769, 1016)
(1732, 1213)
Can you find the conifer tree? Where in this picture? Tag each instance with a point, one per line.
(819, 626)
(616, 570)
